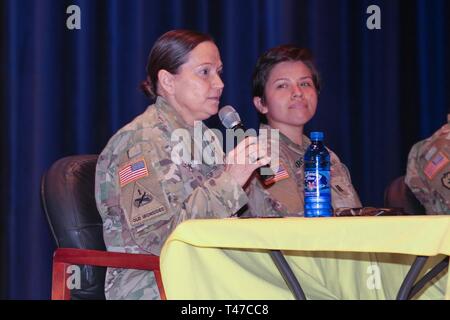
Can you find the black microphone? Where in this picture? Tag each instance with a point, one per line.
(231, 120)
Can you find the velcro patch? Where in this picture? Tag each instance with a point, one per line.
(430, 153)
(134, 151)
(133, 171)
(144, 206)
(280, 174)
(434, 165)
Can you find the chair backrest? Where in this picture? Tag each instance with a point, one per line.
(398, 195)
(68, 198)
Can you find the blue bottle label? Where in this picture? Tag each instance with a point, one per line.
(317, 183)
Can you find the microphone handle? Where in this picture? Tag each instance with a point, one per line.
(238, 126)
(265, 179)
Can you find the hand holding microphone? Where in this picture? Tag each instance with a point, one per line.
(244, 159)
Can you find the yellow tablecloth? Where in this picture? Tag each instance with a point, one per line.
(333, 258)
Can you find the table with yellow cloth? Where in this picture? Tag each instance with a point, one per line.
(333, 258)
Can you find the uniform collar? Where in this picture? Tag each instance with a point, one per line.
(172, 120)
(171, 115)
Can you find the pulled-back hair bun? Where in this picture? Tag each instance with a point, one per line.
(169, 52)
(148, 89)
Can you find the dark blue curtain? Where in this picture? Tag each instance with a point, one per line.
(66, 91)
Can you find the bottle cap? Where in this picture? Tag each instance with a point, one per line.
(316, 135)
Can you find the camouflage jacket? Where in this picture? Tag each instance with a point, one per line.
(285, 196)
(144, 188)
(428, 171)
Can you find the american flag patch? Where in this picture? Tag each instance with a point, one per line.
(133, 172)
(436, 164)
(280, 174)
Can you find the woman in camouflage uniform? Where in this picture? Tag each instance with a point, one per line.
(428, 171)
(285, 92)
(153, 173)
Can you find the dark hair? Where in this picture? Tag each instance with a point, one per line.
(268, 60)
(169, 52)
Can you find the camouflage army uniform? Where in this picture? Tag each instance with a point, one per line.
(285, 197)
(143, 194)
(428, 171)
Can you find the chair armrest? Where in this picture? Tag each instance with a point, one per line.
(64, 257)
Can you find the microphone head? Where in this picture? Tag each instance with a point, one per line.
(229, 117)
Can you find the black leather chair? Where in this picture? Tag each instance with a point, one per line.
(398, 195)
(68, 198)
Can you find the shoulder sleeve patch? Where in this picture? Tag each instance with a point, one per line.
(145, 206)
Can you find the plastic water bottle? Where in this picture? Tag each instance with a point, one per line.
(317, 178)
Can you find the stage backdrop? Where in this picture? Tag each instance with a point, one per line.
(66, 92)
